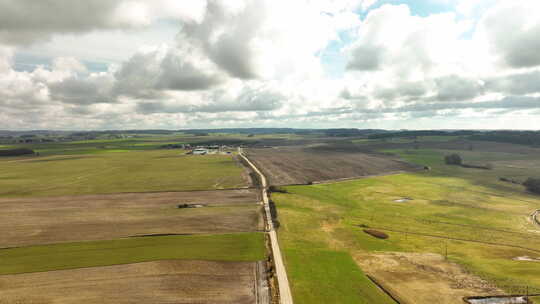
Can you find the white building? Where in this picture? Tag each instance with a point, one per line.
(200, 151)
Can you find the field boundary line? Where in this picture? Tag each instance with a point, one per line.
(468, 226)
(381, 287)
(120, 193)
(338, 180)
(284, 289)
(456, 239)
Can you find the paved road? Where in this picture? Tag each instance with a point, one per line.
(285, 295)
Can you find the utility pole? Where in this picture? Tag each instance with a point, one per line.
(446, 250)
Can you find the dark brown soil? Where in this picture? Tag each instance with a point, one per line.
(301, 165)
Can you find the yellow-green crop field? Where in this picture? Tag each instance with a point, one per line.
(136, 171)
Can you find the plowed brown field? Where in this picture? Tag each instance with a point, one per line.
(163, 282)
(300, 165)
(34, 221)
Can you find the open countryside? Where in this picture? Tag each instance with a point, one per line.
(270, 152)
(382, 219)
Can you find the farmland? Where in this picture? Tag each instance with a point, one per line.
(32, 221)
(242, 247)
(128, 221)
(140, 171)
(176, 281)
(300, 165)
(107, 214)
(457, 234)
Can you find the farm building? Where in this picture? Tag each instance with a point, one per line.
(200, 151)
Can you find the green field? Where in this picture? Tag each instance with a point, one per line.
(226, 247)
(482, 221)
(325, 276)
(157, 170)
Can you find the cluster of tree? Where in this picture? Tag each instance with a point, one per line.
(509, 180)
(513, 137)
(195, 133)
(277, 189)
(453, 159)
(421, 133)
(16, 152)
(266, 131)
(224, 142)
(351, 132)
(533, 185)
(120, 132)
(256, 131)
(173, 146)
(274, 214)
(456, 160)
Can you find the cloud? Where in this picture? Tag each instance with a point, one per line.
(147, 73)
(456, 88)
(265, 62)
(513, 30)
(29, 21)
(515, 84)
(180, 74)
(366, 58)
(263, 39)
(26, 21)
(247, 99)
(95, 88)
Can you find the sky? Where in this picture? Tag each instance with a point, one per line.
(179, 64)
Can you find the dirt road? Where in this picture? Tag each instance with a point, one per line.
(285, 295)
(535, 217)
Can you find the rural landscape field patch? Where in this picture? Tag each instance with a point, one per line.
(158, 170)
(301, 165)
(470, 219)
(33, 221)
(221, 247)
(178, 281)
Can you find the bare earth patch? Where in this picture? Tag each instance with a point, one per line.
(423, 278)
(33, 221)
(300, 165)
(163, 282)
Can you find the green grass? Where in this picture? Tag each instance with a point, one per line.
(333, 278)
(226, 247)
(157, 170)
(449, 202)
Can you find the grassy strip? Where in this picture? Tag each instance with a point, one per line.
(319, 276)
(225, 247)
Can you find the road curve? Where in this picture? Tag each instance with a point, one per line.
(285, 296)
(535, 217)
